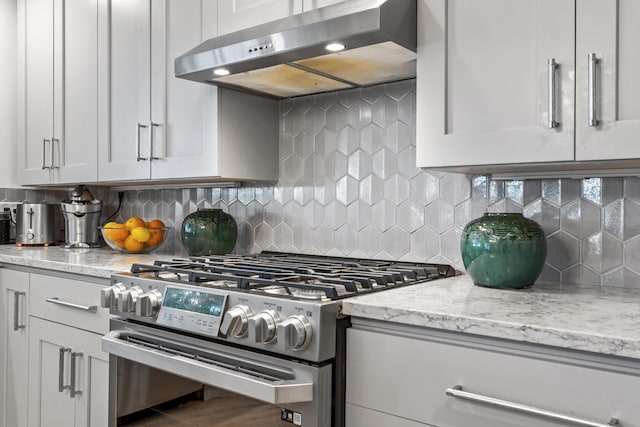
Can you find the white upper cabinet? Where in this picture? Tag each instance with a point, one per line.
(610, 31)
(485, 88)
(160, 127)
(317, 4)
(235, 15)
(484, 82)
(126, 92)
(57, 81)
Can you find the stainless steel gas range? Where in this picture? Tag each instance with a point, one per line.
(263, 334)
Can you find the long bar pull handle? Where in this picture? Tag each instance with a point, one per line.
(61, 386)
(139, 157)
(551, 74)
(89, 308)
(44, 152)
(458, 393)
(593, 62)
(72, 388)
(16, 310)
(151, 126)
(53, 151)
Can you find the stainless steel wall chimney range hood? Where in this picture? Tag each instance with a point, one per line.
(373, 41)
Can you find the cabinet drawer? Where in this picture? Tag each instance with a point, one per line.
(408, 377)
(357, 416)
(69, 302)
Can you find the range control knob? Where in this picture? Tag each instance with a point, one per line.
(295, 332)
(149, 303)
(264, 326)
(127, 300)
(109, 296)
(235, 321)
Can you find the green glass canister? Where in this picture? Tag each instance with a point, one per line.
(209, 232)
(503, 250)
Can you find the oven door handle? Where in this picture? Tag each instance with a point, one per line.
(275, 392)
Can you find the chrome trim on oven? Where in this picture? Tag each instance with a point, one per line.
(256, 379)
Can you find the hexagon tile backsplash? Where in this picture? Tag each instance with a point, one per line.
(349, 186)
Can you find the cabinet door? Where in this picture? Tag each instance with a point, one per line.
(483, 82)
(51, 349)
(124, 126)
(609, 30)
(317, 4)
(184, 113)
(14, 344)
(76, 94)
(235, 15)
(35, 76)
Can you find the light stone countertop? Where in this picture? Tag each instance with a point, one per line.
(97, 262)
(597, 319)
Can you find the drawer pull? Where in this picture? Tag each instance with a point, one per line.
(61, 386)
(551, 74)
(89, 308)
(16, 310)
(592, 96)
(458, 393)
(73, 392)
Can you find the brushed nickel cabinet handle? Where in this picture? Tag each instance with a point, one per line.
(89, 308)
(61, 386)
(458, 393)
(16, 310)
(151, 126)
(73, 392)
(44, 153)
(551, 74)
(139, 157)
(53, 152)
(592, 97)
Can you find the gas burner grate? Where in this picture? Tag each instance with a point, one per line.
(294, 275)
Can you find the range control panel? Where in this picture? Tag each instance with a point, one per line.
(303, 329)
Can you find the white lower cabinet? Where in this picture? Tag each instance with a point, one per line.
(68, 371)
(14, 342)
(68, 377)
(406, 374)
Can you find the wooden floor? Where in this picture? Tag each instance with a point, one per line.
(223, 411)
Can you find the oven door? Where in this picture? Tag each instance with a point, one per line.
(237, 387)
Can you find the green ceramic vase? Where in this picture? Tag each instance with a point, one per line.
(503, 250)
(209, 232)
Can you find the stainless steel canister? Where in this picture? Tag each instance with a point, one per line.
(35, 224)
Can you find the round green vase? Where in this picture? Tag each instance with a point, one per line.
(503, 250)
(209, 232)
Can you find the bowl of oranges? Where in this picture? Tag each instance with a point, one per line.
(135, 236)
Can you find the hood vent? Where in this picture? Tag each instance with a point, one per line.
(375, 42)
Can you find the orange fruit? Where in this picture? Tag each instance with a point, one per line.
(119, 243)
(132, 245)
(156, 223)
(134, 222)
(115, 232)
(156, 237)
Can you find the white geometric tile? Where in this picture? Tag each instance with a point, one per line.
(411, 216)
(347, 190)
(383, 215)
(359, 164)
(397, 189)
(359, 214)
(396, 242)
